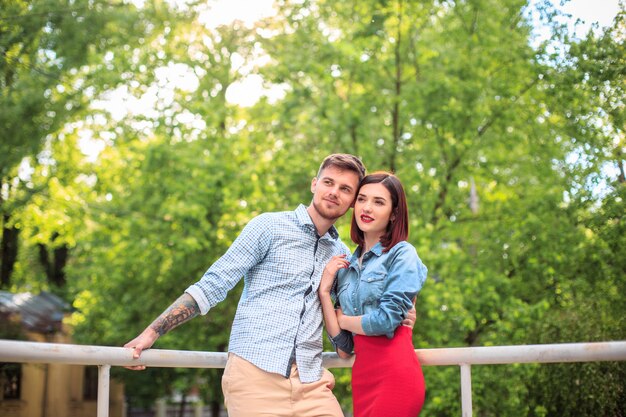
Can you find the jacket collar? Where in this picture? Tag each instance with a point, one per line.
(376, 250)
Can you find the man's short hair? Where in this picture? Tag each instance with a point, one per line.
(343, 161)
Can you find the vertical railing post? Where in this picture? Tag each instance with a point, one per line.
(103, 390)
(466, 390)
(161, 407)
(198, 409)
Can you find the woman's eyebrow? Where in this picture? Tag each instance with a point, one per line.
(375, 197)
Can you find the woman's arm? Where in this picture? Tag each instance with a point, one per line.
(353, 323)
(328, 309)
(331, 323)
(350, 323)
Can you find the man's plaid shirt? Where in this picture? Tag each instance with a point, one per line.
(279, 316)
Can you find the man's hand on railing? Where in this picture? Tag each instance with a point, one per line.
(144, 341)
(183, 309)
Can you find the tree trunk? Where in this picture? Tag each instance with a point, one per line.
(8, 251)
(55, 268)
(395, 113)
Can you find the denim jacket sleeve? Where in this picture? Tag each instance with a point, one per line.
(405, 277)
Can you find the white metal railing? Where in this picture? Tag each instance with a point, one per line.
(105, 357)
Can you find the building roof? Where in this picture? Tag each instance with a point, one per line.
(41, 313)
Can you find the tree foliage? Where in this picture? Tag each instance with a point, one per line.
(511, 150)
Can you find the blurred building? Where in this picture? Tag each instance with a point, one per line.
(46, 390)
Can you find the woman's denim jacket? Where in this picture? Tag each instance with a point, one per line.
(383, 289)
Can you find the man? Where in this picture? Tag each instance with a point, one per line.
(275, 350)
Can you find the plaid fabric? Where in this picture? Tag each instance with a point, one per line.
(279, 316)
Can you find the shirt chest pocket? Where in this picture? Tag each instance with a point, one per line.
(371, 287)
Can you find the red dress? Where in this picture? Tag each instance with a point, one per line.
(387, 379)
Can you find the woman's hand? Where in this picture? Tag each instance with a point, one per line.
(330, 272)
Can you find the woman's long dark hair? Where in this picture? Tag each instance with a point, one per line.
(398, 229)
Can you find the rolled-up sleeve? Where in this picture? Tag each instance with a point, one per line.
(343, 341)
(406, 276)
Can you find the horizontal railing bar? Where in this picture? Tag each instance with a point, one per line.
(500, 355)
(35, 352)
(552, 353)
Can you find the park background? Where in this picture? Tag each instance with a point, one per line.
(138, 138)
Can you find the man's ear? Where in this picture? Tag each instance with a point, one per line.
(313, 184)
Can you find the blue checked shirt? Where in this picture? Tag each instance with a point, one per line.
(279, 316)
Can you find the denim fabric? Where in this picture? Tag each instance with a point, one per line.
(383, 288)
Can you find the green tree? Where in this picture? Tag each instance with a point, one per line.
(168, 200)
(454, 98)
(511, 153)
(591, 306)
(54, 59)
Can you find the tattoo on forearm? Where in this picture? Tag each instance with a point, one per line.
(182, 310)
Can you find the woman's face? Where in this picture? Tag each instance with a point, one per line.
(373, 209)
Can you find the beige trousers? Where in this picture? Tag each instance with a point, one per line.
(252, 392)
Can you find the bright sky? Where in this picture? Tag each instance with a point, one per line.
(247, 91)
(601, 11)
(225, 11)
(248, 11)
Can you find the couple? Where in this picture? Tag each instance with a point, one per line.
(291, 263)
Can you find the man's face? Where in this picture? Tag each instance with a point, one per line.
(333, 192)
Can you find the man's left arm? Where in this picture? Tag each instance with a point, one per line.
(411, 317)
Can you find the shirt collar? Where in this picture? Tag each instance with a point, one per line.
(303, 217)
(376, 250)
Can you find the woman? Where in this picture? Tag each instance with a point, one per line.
(375, 289)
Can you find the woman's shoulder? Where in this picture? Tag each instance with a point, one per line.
(406, 256)
(403, 248)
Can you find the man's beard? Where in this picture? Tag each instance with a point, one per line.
(326, 214)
